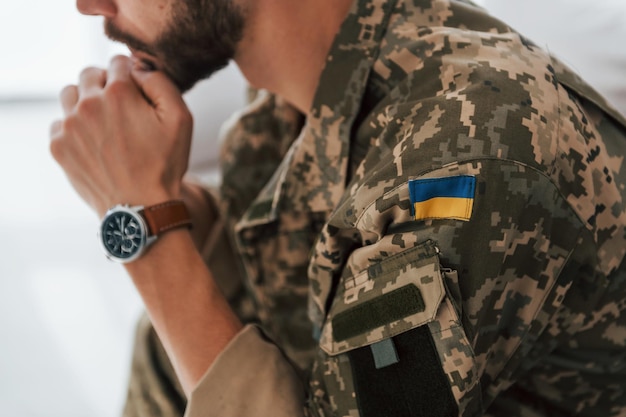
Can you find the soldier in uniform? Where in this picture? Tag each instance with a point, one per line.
(423, 215)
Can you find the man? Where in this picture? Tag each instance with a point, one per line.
(444, 235)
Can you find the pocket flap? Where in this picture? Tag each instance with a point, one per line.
(393, 296)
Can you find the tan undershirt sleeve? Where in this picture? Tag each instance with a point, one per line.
(251, 377)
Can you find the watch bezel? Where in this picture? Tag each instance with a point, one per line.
(145, 241)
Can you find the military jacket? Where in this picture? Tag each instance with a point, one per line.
(443, 235)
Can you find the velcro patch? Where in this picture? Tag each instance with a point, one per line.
(442, 198)
(415, 386)
(387, 308)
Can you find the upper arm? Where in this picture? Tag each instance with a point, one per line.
(480, 291)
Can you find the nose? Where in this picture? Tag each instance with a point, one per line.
(104, 8)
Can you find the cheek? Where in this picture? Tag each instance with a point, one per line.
(156, 13)
(145, 19)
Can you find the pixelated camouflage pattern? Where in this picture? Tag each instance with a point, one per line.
(421, 89)
(274, 254)
(533, 319)
(418, 267)
(153, 388)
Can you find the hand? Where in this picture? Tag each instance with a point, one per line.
(125, 136)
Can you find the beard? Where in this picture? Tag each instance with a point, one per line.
(200, 39)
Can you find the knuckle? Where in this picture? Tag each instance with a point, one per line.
(119, 59)
(67, 91)
(69, 125)
(116, 89)
(55, 151)
(57, 148)
(89, 71)
(86, 106)
(56, 128)
(186, 118)
(182, 116)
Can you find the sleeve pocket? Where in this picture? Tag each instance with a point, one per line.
(389, 298)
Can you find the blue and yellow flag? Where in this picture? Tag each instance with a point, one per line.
(442, 198)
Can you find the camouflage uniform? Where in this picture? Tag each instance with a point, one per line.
(444, 236)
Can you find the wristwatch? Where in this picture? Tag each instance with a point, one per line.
(126, 232)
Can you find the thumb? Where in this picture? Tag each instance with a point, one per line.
(158, 89)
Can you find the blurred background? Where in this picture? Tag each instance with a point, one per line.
(66, 314)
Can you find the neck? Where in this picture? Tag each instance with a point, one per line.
(286, 43)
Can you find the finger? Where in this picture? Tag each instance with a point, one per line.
(119, 70)
(55, 146)
(91, 80)
(158, 89)
(69, 98)
(56, 128)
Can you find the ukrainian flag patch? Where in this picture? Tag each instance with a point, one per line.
(442, 198)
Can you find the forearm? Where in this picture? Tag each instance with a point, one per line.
(190, 315)
(125, 139)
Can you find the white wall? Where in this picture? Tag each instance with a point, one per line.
(66, 314)
(587, 35)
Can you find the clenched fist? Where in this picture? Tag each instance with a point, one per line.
(125, 136)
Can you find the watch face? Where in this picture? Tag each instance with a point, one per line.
(123, 234)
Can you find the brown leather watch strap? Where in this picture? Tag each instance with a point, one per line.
(165, 216)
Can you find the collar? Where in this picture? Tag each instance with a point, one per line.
(312, 177)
